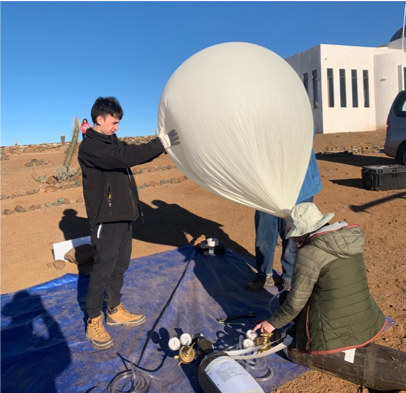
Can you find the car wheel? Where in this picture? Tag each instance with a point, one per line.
(401, 156)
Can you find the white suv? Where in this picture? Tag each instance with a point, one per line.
(395, 142)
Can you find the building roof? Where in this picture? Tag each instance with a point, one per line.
(398, 35)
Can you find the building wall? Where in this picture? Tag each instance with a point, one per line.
(389, 81)
(349, 117)
(306, 62)
(385, 67)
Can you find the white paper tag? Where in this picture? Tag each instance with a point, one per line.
(349, 355)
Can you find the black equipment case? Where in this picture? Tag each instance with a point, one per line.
(384, 177)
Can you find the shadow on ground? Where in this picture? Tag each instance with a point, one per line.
(364, 207)
(172, 225)
(73, 226)
(355, 160)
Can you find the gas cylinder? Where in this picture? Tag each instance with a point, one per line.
(219, 373)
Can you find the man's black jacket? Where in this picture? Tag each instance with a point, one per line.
(109, 187)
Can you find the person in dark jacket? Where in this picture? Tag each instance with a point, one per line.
(112, 204)
(329, 301)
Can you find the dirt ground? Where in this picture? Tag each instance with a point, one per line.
(179, 211)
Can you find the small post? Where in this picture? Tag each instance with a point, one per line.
(63, 139)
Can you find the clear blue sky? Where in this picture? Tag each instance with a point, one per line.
(58, 57)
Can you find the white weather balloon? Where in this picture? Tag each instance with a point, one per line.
(244, 122)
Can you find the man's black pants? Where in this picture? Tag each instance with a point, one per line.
(112, 242)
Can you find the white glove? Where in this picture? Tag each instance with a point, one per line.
(169, 139)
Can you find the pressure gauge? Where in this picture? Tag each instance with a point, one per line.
(252, 335)
(185, 339)
(174, 344)
(247, 343)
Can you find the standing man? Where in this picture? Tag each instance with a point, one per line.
(112, 204)
(267, 228)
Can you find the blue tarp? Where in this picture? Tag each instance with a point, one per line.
(44, 347)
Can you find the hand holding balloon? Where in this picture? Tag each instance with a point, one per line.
(169, 139)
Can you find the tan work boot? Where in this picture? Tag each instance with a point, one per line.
(97, 334)
(120, 316)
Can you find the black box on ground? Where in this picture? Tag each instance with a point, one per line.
(384, 177)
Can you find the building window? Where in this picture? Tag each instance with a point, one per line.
(366, 88)
(330, 87)
(343, 94)
(354, 85)
(306, 82)
(315, 89)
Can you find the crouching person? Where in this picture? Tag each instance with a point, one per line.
(329, 300)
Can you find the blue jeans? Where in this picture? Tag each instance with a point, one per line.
(267, 229)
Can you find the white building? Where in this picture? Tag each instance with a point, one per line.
(351, 88)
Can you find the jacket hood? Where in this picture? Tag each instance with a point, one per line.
(344, 242)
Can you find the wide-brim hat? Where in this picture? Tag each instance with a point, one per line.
(306, 218)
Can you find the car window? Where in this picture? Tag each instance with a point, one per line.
(400, 105)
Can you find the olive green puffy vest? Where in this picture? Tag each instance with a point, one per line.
(341, 312)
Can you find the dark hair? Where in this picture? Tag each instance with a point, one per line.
(104, 106)
(84, 120)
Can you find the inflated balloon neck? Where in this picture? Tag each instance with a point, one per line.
(286, 213)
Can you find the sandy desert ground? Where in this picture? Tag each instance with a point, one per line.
(37, 214)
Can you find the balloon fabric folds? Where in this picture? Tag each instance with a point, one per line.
(244, 122)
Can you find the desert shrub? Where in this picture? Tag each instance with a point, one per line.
(63, 172)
